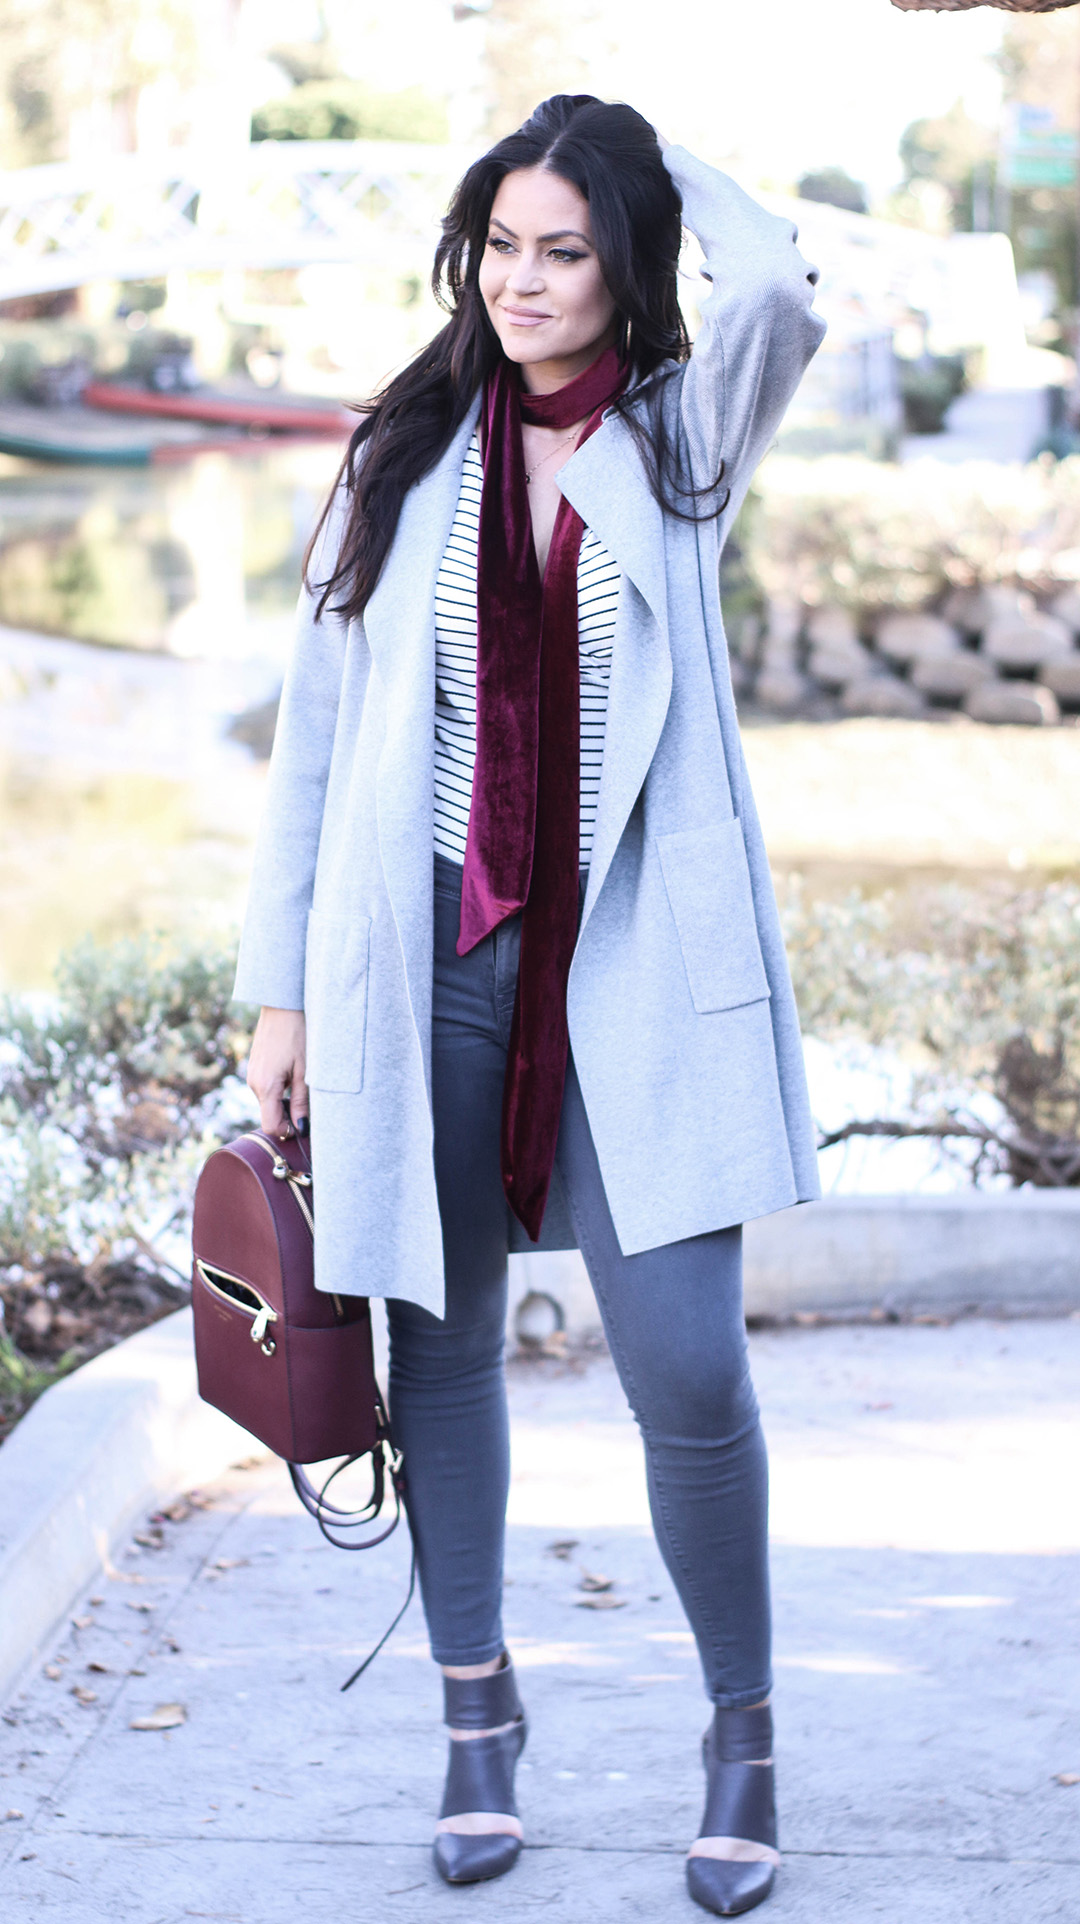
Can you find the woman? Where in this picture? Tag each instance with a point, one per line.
(511, 920)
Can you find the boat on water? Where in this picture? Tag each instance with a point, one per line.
(79, 435)
(264, 410)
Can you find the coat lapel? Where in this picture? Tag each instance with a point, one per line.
(605, 482)
(399, 623)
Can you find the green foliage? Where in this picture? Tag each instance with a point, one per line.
(873, 536)
(835, 188)
(22, 1381)
(343, 109)
(950, 150)
(981, 998)
(109, 1098)
(928, 387)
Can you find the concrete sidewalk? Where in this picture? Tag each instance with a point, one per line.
(927, 1550)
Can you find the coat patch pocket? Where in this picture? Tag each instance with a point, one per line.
(335, 1000)
(708, 885)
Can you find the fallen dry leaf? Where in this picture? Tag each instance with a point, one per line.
(1067, 1778)
(82, 1695)
(562, 1547)
(144, 1609)
(82, 1623)
(230, 1563)
(97, 1602)
(165, 1717)
(150, 1539)
(12, 1816)
(53, 1672)
(594, 1583)
(605, 1601)
(101, 1668)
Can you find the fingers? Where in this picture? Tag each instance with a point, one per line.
(299, 1107)
(276, 1066)
(272, 1113)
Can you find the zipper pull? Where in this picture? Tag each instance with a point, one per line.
(262, 1323)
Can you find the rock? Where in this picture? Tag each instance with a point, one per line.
(882, 695)
(782, 689)
(1066, 606)
(832, 628)
(973, 609)
(779, 651)
(783, 620)
(835, 667)
(951, 677)
(1029, 641)
(907, 638)
(255, 728)
(1012, 701)
(1063, 680)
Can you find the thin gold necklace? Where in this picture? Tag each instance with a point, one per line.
(572, 436)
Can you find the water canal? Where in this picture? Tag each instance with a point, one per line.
(141, 612)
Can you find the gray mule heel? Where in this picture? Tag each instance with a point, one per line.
(480, 1776)
(733, 1864)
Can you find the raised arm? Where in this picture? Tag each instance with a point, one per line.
(758, 330)
(270, 971)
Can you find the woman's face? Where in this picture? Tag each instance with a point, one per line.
(540, 279)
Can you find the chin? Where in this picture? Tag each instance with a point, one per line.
(526, 351)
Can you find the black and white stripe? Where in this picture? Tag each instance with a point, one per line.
(455, 668)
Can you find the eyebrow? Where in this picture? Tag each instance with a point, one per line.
(564, 233)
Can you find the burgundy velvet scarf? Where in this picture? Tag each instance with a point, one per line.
(524, 824)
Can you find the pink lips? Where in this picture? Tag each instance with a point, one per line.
(525, 316)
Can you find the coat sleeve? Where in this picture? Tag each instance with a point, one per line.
(270, 968)
(758, 329)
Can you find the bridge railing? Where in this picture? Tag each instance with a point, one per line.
(275, 204)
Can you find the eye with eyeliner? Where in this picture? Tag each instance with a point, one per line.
(565, 256)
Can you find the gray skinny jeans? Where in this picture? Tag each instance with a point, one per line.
(674, 1323)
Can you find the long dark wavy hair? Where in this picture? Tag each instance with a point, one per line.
(612, 156)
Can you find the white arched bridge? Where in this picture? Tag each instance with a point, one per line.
(130, 217)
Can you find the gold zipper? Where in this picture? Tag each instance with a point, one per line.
(297, 1179)
(262, 1316)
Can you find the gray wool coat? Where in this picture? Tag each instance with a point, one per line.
(682, 1021)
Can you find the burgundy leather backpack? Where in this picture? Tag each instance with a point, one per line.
(288, 1362)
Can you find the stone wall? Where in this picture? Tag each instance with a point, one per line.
(989, 653)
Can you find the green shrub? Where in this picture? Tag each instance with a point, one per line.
(110, 1098)
(873, 537)
(982, 1001)
(343, 109)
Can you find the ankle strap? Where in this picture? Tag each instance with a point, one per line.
(482, 1703)
(742, 1736)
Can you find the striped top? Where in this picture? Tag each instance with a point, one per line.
(455, 668)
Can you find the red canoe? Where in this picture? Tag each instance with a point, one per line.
(282, 415)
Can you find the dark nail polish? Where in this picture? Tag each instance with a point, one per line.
(302, 1125)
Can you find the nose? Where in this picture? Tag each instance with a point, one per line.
(525, 276)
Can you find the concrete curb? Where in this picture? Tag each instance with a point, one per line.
(1009, 1252)
(94, 1453)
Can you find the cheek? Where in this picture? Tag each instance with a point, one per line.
(492, 275)
(594, 303)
